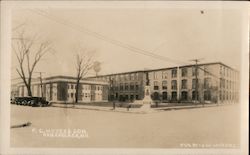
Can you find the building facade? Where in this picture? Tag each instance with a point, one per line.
(210, 82)
(63, 89)
(127, 86)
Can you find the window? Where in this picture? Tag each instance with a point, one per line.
(164, 74)
(174, 96)
(156, 86)
(132, 77)
(164, 96)
(221, 82)
(136, 76)
(131, 97)
(184, 95)
(194, 93)
(207, 95)
(174, 73)
(194, 83)
(207, 83)
(155, 75)
(121, 86)
(127, 77)
(132, 87)
(194, 71)
(184, 72)
(126, 86)
(164, 85)
(136, 86)
(174, 84)
(184, 84)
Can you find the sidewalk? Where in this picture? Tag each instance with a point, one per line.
(133, 110)
(100, 108)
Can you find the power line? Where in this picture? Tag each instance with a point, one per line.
(113, 41)
(108, 39)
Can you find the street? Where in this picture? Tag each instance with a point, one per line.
(164, 129)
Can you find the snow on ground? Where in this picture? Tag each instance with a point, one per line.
(165, 129)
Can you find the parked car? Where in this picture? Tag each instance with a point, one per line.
(38, 102)
(31, 101)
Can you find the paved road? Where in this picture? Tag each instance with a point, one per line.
(167, 129)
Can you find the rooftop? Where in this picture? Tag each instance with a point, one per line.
(158, 69)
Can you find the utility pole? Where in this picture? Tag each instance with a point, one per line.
(196, 78)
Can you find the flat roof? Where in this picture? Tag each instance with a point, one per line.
(158, 69)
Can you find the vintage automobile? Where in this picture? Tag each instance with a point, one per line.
(38, 102)
(31, 101)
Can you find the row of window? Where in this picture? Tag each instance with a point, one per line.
(125, 86)
(207, 84)
(225, 71)
(195, 96)
(184, 73)
(124, 97)
(85, 87)
(85, 95)
(128, 76)
(184, 95)
(226, 84)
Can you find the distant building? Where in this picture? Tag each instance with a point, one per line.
(63, 89)
(216, 82)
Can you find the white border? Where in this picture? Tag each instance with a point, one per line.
(5, 58)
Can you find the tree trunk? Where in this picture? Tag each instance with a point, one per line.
(29, 90)
(77, 89)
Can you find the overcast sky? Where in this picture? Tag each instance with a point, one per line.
(179, 34)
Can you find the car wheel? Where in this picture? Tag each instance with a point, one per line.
(40, 104)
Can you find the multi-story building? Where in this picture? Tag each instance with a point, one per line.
(210, 82)
(127, 86)
(63, 89)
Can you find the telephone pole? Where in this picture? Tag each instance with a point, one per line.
(196, 78)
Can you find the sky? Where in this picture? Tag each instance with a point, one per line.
(178, 34)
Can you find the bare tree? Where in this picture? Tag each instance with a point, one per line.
(84, 62)
(29, 54)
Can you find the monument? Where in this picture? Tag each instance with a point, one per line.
(147, 101)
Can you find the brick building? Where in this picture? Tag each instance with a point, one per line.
(127, 86)
(216, 82)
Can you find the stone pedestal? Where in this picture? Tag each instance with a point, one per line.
(147, 101)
